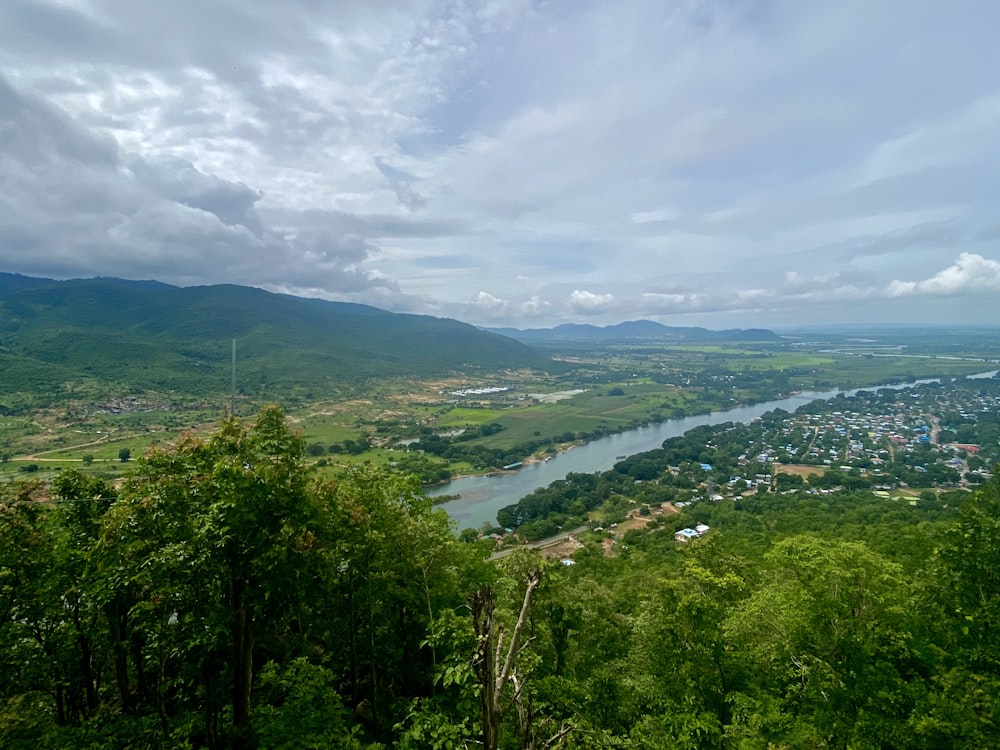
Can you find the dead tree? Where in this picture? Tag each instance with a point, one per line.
(494, 664)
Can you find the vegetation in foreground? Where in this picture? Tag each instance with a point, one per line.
(224, 595)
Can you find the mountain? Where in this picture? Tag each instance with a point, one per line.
(146, 335)
(632, 330)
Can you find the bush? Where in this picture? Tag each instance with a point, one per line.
(302, 708)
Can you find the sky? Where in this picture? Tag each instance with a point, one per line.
(526, 163)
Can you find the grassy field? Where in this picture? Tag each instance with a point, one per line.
(463, 416)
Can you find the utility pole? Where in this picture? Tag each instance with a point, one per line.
(232, 394)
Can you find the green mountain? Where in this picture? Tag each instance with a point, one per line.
(634, 330)
(149, 336)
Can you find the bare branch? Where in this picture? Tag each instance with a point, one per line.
(534, 579)
(558, 737)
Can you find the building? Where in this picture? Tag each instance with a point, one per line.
(686, 535)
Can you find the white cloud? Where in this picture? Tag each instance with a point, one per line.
(970, 273)
(535, 307)
(490, 302)
(793, 280)
(589, 302)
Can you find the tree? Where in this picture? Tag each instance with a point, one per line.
(124, 454)
(212, 542)
(494, 660)
(681, 668)
(964, 613)
(24, 565)
(50, 617)
(828, 632)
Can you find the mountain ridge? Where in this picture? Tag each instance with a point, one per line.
(155, 336)
(635, 329)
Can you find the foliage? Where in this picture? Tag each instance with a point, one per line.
(210, 599)
(225, 595)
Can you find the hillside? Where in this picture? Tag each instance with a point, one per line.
(144, 335)
(226, 596)
(635, 330)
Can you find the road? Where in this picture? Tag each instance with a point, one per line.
(540, 544)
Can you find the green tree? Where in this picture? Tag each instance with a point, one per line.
(970, 568)
(398, 566)
(829, 635)
(681, 668)
(219, 539)
(964, 614)
(24, 564)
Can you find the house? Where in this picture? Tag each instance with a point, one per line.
(686, 535)
(967, 447)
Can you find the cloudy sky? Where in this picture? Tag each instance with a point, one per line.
(516, 162)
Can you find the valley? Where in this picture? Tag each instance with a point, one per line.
(462, 423)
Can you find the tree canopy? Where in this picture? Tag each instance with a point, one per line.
(224, 596)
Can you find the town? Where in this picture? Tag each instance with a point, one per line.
(904, 444)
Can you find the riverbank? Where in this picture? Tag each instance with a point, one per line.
(481, 497)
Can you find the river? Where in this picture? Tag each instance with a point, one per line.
(480, 497)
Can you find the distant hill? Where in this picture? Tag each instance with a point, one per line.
(632, 330)
(146, 335)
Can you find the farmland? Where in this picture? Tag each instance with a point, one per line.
(420, 425)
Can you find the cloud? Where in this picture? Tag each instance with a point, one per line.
(535, 307)
(178, 180)
(589, 302)
(73, 204)
(489, 302)
(725, 163)
(969, 274)
(656, 215)
(402, 185)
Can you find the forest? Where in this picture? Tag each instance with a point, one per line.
(223, 594)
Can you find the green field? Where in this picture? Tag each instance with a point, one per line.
(462, 416)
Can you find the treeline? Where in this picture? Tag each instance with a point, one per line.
(464, 448)
(645, 478)
(457, 448)
(223, 596)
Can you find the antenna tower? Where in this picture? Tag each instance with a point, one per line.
(232, 393)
